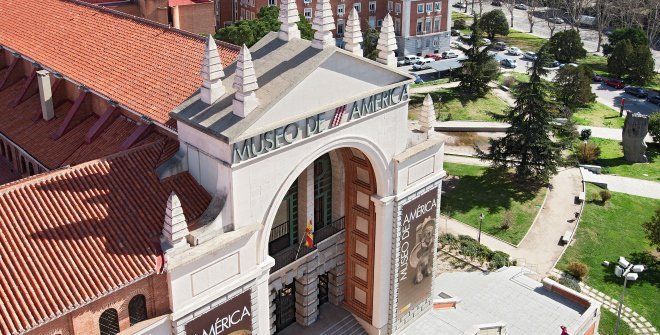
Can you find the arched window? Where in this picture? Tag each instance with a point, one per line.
(109, 322)
(322, 192)
(137, 309)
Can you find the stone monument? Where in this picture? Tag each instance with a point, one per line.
(635, 129)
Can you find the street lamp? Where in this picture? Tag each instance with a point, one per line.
(630, 272)
(481, 221)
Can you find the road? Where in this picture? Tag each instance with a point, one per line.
(541, 28)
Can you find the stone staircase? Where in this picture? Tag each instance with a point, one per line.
(346, 326)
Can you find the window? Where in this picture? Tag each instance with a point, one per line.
(340, 27)
(419, 26)
(322, 191)
(372, 21)
(307, 1)
(358, 7)
(137, 309)
(389, 6)
(379, 23)
(420, 8)
(429, 7)
(436, 43)
(109, 322)
(284, 232)
(436, 25)
(397, 26)
(438, 6)
(427, 26)
(308, 13)
(340, 10)
(372, 6)
(272, 2)
(397, 8)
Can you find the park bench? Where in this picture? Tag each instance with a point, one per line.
(582, 197)
(566, 237)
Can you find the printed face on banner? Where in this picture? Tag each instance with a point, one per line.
(416, 245)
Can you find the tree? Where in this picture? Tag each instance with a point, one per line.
(551, 13)
(306, 31)
(479, 68)
(618, 60)
(654, 127)
(566, 46)
(509, 5)
(604, 10)
(634, 35)
(494, 23)
(640, 65)
(573, 86)
(574, 9)
(527, 145)
(531, 10)
(652, 229)
(370, 42)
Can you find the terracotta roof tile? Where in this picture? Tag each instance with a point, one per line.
(146, 67)
(73, 235)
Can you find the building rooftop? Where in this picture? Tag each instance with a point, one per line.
(508, 296)
(73, 235)
(146, 67)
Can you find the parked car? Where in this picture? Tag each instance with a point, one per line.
(449, 54)
(520, 6)
(466, 37)
(485, 41)
(636, 91)
(455, 32)
(616, 83)
(418, 79)
(654, 99)
(496, 3)
(556, 64)
(422, 64)
(556, 20)
(500, 46)
(530, 56)
(569, 64)
(460, 5)
(434, 56)
(508, 63)
(514, 51)
(598, 78)
(407, 60)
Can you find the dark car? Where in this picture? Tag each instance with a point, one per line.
(636, 91)
(597, 77)
(654, 99)
(455, 32)
(496, 3)
(556, 64)
(509, 63)
(616, 83)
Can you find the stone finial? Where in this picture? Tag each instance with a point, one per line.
(245, 83)
(353, 33)
(175, 228)
(212, 88)
(427, 116)
(288, 17)
(387, 43)
(324, 24)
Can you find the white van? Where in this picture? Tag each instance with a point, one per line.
(422, 64)
(407, 60)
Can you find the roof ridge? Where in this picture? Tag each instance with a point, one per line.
(150, 22)
(46, 176)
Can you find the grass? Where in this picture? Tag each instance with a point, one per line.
(432, 82)
(612, 230)
(608, 323)
(524, 41)
(482, 190)
(599, 65)
(452, 104)
(597, 114)
(458, 15)
(611, 159)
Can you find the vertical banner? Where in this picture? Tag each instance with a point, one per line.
(231, 318)
(416, 244)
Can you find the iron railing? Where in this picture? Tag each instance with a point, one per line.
(279, 231)
(329, 230)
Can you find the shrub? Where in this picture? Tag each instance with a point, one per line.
(570, 283)
(459, 24)
(578, 270)
(507, 220)
(587, 152)
(605, 195)
(654, 127)
(509, 81)
(448, 240)
(498, 260)
(585, 134)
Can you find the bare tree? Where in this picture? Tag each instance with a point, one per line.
(531, 10)
(509, 5)
(604, 10)
(550, 14)
(574, 8)
(481, 7)
(652, 24)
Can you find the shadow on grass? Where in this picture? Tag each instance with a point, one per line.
(650, 275)
(493, 190)
(651, 153)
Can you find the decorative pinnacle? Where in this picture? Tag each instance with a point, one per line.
(324, 24)
(353, 34)
(175, 228)
(212, 72)
(245, 83)
(288, 17)
(387, 43)
(427, 116)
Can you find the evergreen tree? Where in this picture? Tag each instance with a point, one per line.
(527, 145)
(652, 229)
(573, 86)
(494, 23)
(370, 42)
(635, 35)
(306, 31)
(479, 68)
(617, 63)
(566, 46)
(640, 65)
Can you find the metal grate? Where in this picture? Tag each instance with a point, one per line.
(285, 306)
(109, 322)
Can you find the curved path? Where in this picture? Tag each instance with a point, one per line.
(540, 248)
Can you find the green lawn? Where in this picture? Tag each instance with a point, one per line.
(598, 115)
(599, 65)
(608, 323)
(461, 107)
(458, 15)
(611, 158)
(480, 190)
(524, 41)
(612, 230)
(432, 82)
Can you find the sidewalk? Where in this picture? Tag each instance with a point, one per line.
(432, 88)
(609, 133)
(632, 186)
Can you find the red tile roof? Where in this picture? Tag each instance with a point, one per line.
(186, 2)
(73, 235)
(146, 67)
(35, 137)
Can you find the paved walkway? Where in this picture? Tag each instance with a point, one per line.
(639, 187)
(540, 249)
(638, 323)
(465, 160)
(432, 88)
(608, 133)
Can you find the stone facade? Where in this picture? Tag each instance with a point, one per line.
(635, 129)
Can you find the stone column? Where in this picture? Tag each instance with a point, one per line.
(307, 291)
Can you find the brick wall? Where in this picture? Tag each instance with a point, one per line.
(198, 18)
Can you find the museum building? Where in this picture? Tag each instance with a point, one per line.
(208, 189)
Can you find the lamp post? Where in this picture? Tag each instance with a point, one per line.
(628, 271)
(481, 221)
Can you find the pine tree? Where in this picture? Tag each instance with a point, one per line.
(566, 46)
(527, 145)
(573, 86)
(494, 23)
(479, 68)
(617, 63)
(370, 43)
(641, 65)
